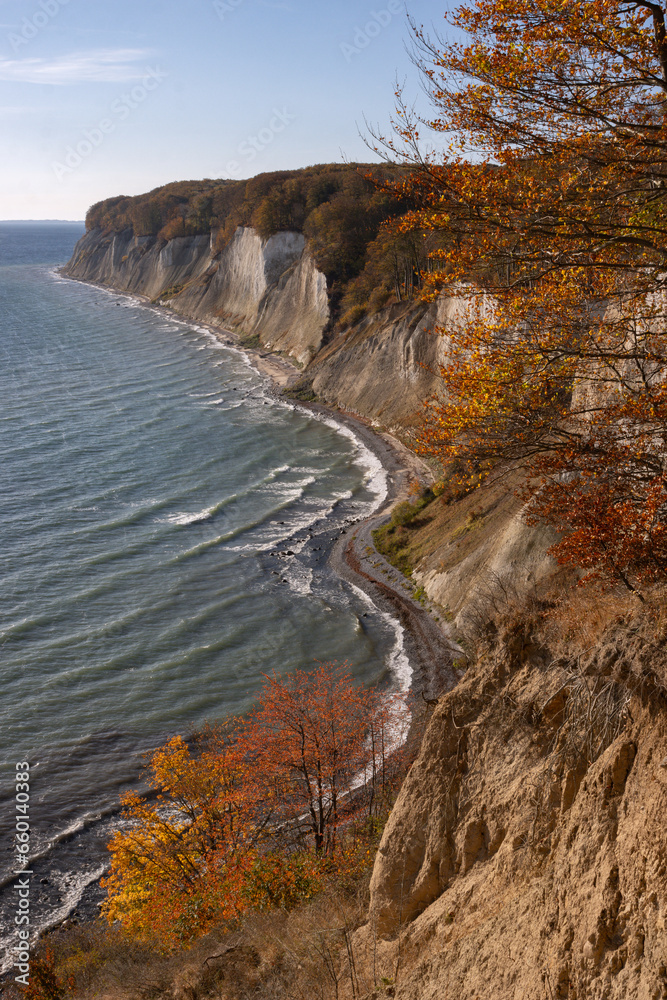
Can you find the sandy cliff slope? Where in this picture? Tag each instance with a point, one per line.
(526, 856)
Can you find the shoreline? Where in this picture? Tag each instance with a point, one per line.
(430, 649)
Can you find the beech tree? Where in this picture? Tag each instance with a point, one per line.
(221, 831)
(312, 737)
(550, 202)
(180, 859)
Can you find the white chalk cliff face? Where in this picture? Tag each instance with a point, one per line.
(266, 287)
(384, 367)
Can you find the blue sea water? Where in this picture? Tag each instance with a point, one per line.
(151, 486)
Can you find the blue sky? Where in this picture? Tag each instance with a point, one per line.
(105, 98)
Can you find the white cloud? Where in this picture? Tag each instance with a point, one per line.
(97, 66)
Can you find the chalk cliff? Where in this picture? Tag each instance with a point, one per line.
(383, 367)
(268, 288)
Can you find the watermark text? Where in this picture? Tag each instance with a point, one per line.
(224, 7)
(253, 145)
(92, 138)
(364, 34)
(34, 23)
(21, 886)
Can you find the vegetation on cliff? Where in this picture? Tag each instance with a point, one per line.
(255, 812)
(552, 211)
(340, 208)
(253, 851)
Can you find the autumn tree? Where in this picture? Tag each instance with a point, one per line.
(550, 201)
(312, 738)
(180, 858)
(221, 831)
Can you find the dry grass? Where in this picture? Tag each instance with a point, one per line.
(578, 619)
(306, 953)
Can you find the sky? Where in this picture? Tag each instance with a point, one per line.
(104, 98)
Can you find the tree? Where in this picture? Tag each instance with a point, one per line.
(551, 204)
(221, 831)
(308, 738)
(180, 859)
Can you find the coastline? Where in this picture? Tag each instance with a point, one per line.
(428, 645)
(430, 649)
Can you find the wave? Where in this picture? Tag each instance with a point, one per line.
(45, 648)
(290, 530)
(242, 529)
(300, 579)
(196, 518)
(376, 474)
(397, 661)
(84, 822)
(131, 515)
(185, 517)
(72, 899)
(183, 626)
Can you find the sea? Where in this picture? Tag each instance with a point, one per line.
(165, 522)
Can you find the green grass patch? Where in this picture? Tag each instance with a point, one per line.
(395, 540)
(475, 519)
(169, 293)
(250, 340)
(304, 393)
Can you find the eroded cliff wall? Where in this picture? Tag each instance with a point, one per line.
(382, 368)
(526, 855)
(269, 288)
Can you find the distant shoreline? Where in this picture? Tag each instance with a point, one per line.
(42, 222)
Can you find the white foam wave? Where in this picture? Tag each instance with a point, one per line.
(71, 899)
(76, 826)
(397, 661)
(376, 474)
(192, 518)
(288, 498)
(288, 531)
(300, 579)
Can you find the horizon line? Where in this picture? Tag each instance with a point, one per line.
(81, 221)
